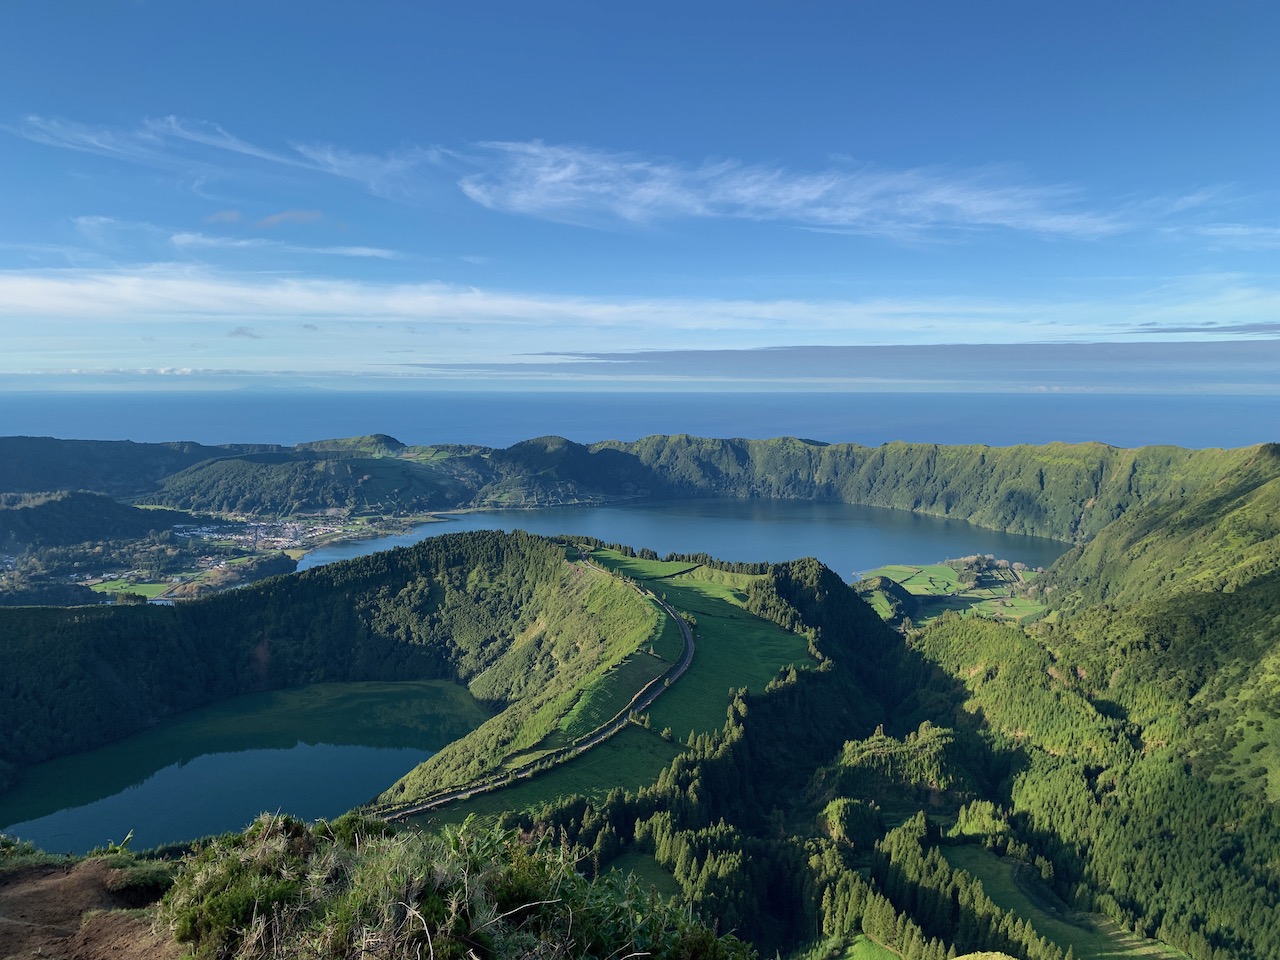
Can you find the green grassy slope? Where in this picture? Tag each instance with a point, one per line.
(1141, 719)
(735, 650)
(587, 625)
(1217, 537)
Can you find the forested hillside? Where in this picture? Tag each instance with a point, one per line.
(1066, 491)
(778, 824)
(840, 800)
(451, 607)
(115, 467)
(1145, 714)
(1217, 537)
(64, 518)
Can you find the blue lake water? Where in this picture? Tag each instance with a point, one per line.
(313, 752)
(849, 539)
(218, 792)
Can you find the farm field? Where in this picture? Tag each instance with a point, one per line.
(938, 588)
(1090, 936)
(864, 948)
(646, 870)
(734, 648)
(629, 760)
(148, 590)
(606, 697)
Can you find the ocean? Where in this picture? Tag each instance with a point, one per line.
(499, 419)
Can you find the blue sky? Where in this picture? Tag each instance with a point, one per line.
(650, 195)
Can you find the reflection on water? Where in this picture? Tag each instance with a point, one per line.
(313, 752)
(218, 792)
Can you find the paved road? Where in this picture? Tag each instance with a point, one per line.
(640, 702)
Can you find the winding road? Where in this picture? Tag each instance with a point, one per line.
(643, 699)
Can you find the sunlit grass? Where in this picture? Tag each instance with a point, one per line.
(1014, 887)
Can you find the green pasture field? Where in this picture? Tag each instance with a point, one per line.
(148, 590)
(608, 696)
(733, 648)
(938, 588)
(897, 572)
(1005, 608)
(646, 869)
(630, 759)
(638, 569)
(1092, 936)
(669, 642)
(934, 580)
(864, 948)
(879, 603)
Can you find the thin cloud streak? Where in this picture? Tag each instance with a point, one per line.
(589, 187)
(172, 294)
(212, 135)
(135, 146)
(200, 240)
(1243, 236)
(168, 142)
(396, 175)
(1222, 366)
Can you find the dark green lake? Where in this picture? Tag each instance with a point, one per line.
(313, 752)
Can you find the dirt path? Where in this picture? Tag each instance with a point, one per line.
(42, 915)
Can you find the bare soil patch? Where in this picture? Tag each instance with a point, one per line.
(42, 914)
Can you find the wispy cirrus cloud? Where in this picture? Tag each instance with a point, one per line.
(396, 175)
(212, 135)
(202, 149)
(191, 241)
(586, 186)
(1243, 235)
(592, 187)
(137, 145)
(170, 292)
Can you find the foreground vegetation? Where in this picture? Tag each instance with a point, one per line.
(354, 889)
